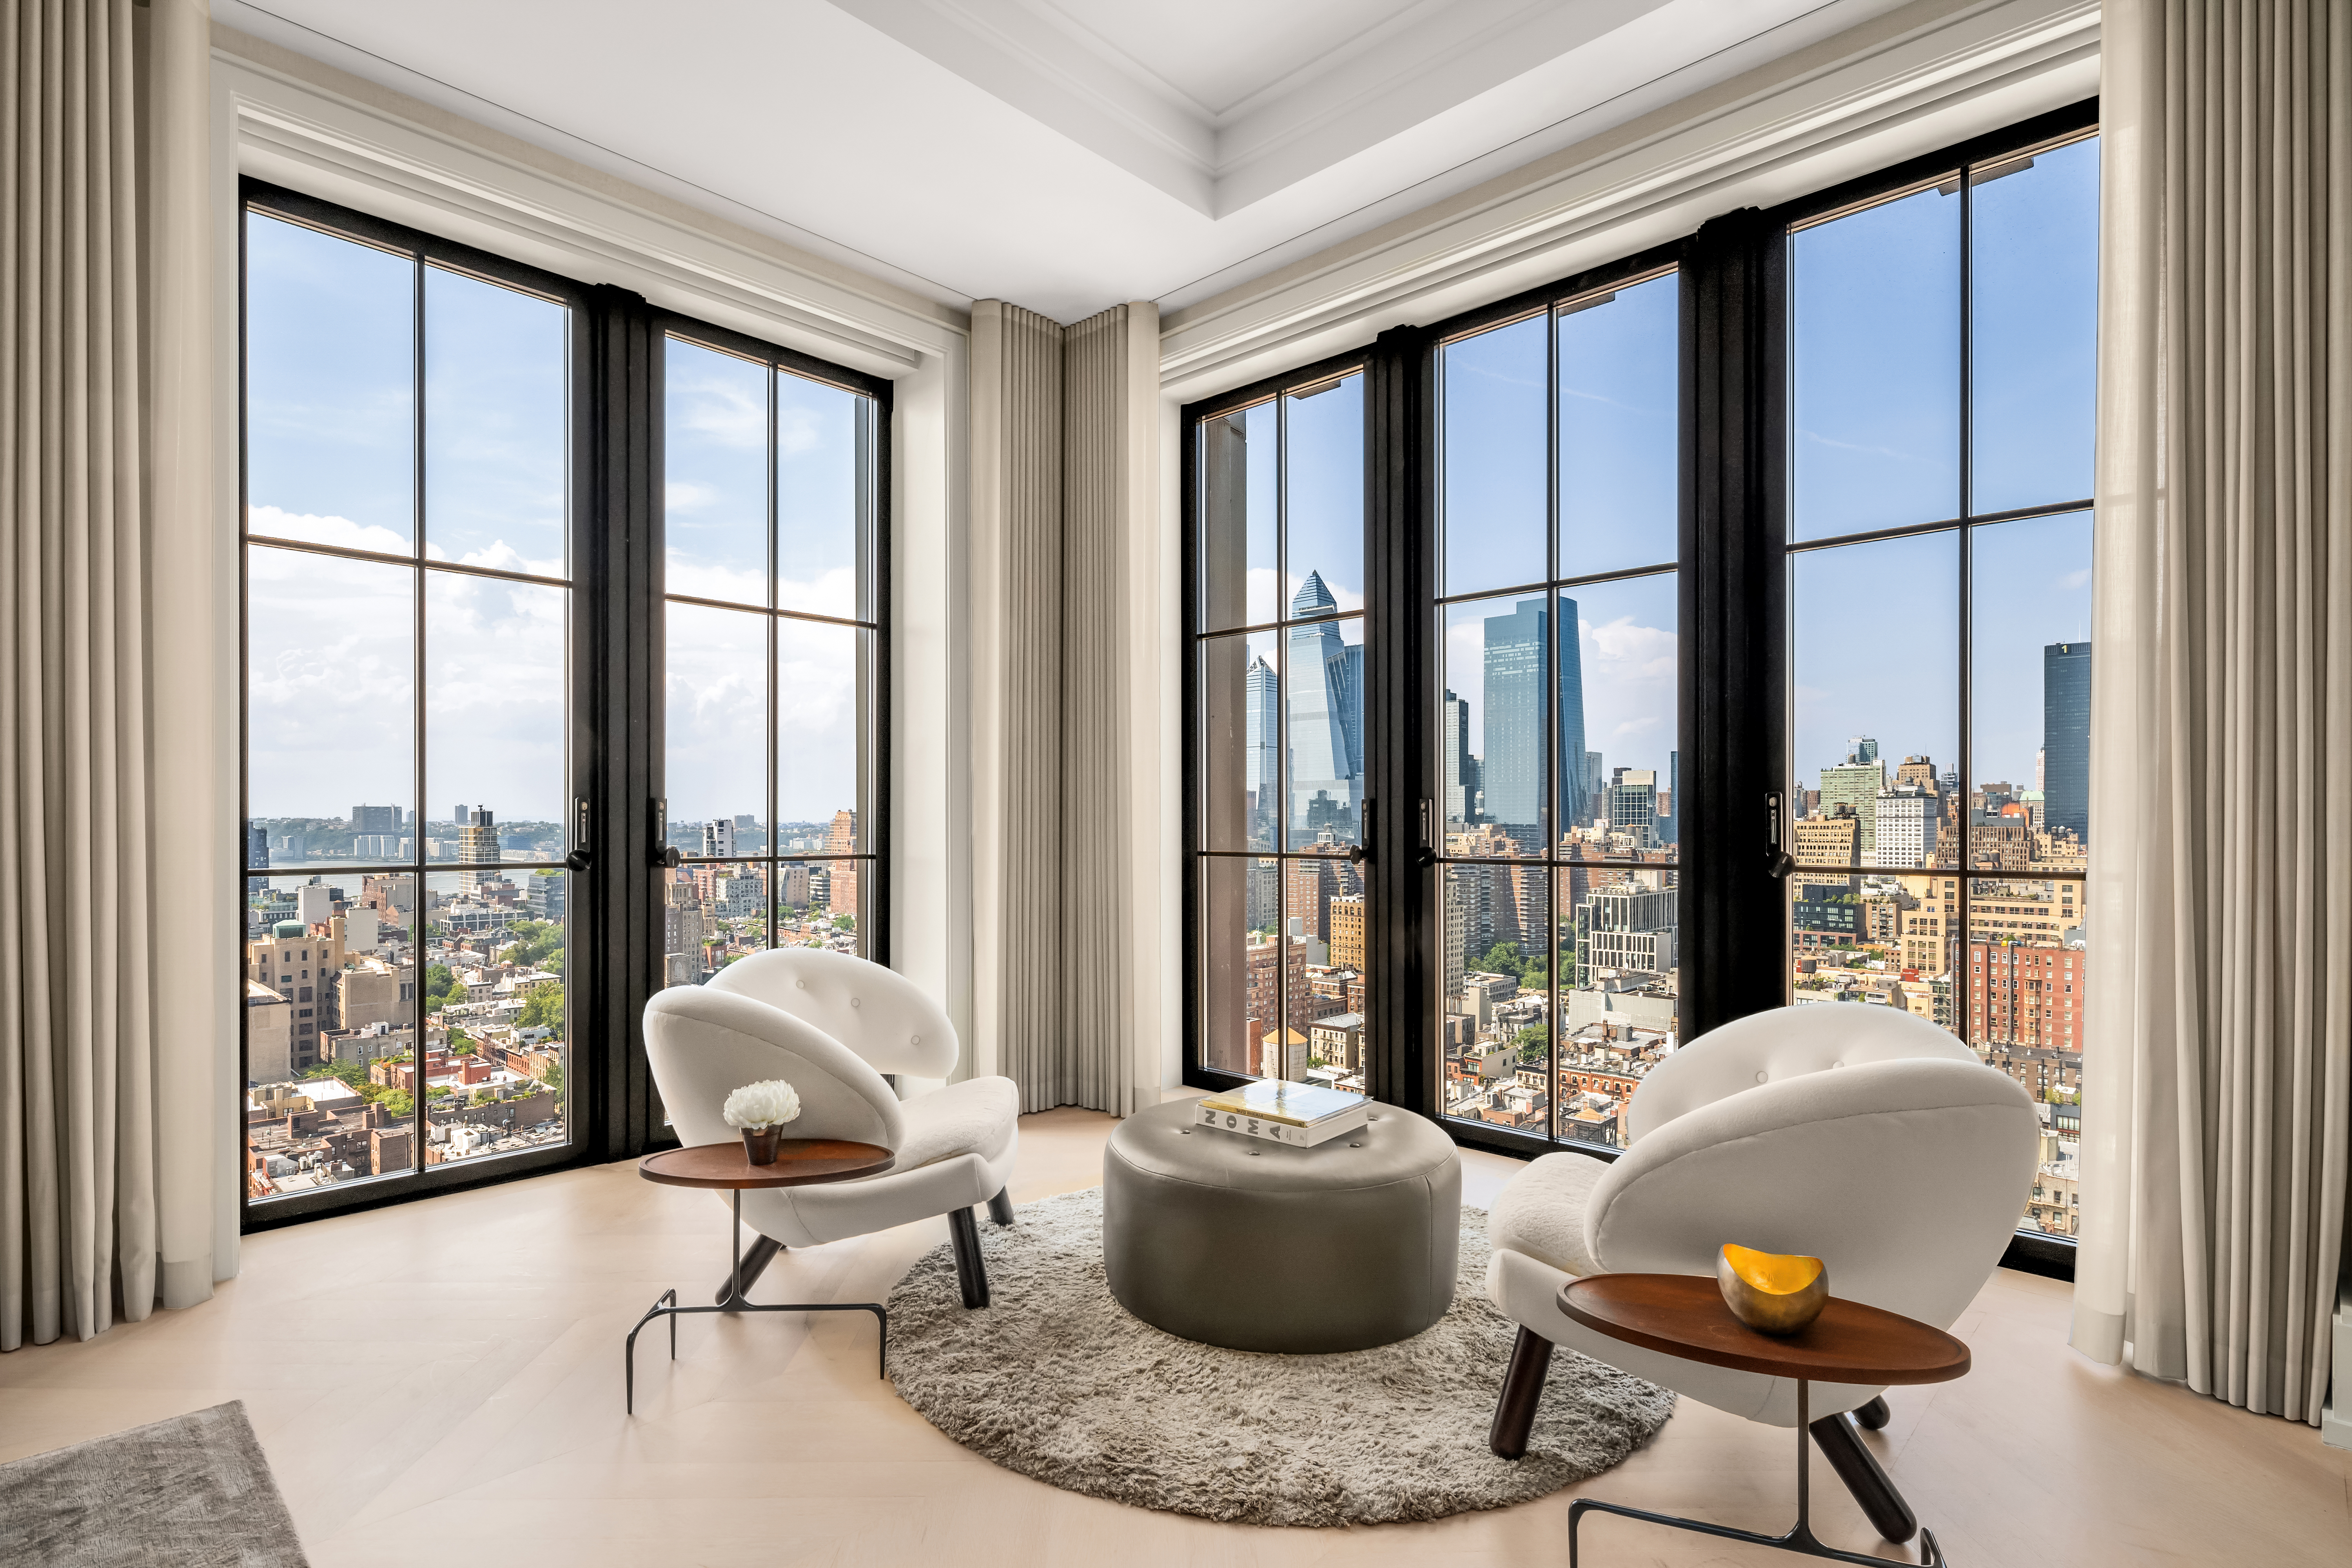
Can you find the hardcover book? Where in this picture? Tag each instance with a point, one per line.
(1300, 1114)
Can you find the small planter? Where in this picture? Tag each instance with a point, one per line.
(760, 1143)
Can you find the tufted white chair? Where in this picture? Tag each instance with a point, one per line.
(830, 1025)
(1863, 1136)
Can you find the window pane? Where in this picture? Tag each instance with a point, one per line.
(331, 360)
(1324, 672)
(1325, 514)
(1241, 960)
(1619, 429)
(2029, 993)
(2035, 235)
(1494, 498)
(330, 706)
(1240, 571)
(714, 913)
(716, 693)
(1875, 345)
(1877, 701)
(820, 435)
(496, 670)
(330, 989)
(1241, 740)
(2030, 690)
(715, 474)
(1618, 766)
(495, 1038)
(1496, 1037)
(821, 683)
(1851, 939)
(1618, 992)
(496, 369)
(1493, 723)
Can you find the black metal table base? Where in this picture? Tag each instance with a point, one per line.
(673, 1311)
(1800, 1538)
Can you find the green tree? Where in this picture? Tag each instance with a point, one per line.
(1502, 959)
(440, 981)
(554, 1077)
(845, 922)
(397, 1103)
(543, 1009)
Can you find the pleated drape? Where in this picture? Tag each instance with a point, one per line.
(2218, 1083)
(77, 1187)
(1058, 417)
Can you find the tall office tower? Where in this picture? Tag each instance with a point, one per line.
(1455, 937)
(1855, 785)
(375, 819)
(477, 845)
(749, 837)
(1262, 727)
(1518, 645)
(841, 881)
(1861, 749)
(1632, 801)
(1627, 928)
(1347, 916)
(1461, 767)
(1917, 770)
(1904, 825)
(1596, 779)
(1670, 809)
(1575, 794)
(459, 815)
(718, 839)
(1324, 783)
(256, 844)
(2041, 757)
(1346, 669)
(2066, 738)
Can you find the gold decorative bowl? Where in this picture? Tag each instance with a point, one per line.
(1771, 1292)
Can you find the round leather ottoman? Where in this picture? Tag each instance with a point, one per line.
(1257, 1245)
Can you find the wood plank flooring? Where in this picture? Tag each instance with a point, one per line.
(443, 1380)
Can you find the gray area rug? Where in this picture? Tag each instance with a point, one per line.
(193, 1490)
(1058, 1381)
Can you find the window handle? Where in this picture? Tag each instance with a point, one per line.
(1362, 850)
(1776, 806)
(666, 855)
(580, 856)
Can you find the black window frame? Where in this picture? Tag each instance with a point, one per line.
(1732, 717)
(614, 576)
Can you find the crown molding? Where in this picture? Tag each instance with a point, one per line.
(1837, 110)
(298, 131)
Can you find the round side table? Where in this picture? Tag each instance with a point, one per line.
(800, 1163)
(1683, 1315)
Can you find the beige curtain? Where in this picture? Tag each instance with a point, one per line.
(1054, 411)
(79, 1189)
(2215, 1078)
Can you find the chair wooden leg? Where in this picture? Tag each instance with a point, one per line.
(1858, 1468)
(970, 1274)
(755, 1263)
(1523, 1387)
(1875, 1416)
(1000, 1207)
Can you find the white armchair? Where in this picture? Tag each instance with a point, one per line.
(1863, 1136)
(830, 1025)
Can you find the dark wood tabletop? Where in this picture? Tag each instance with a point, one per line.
(800, 1163)
(1685, 1315)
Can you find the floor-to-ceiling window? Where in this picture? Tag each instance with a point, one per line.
(1558, 520)
(1279, 896)
(1844, 448)
(490, 544)
(773, 592)
(409, 720)
(1941, 361)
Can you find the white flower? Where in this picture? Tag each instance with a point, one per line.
(764, 1104)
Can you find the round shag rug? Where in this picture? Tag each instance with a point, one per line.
(1058, 1381)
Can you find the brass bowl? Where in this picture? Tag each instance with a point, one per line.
(1771, 1292)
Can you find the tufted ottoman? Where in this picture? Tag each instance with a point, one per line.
(1259, 1246)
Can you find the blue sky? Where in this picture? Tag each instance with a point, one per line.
(331, 460)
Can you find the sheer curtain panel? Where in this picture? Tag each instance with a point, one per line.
(81, 1192)
(2215, 1092)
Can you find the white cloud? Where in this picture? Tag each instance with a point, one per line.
(686, 496)
(339, 531)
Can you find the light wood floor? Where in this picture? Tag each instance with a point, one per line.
(443, 1382)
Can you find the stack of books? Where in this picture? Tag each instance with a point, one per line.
(1300, 1114)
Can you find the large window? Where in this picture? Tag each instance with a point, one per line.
(1279, 640)
(408, 751)
(770, 500)
(491, 545)
(1557, 511)
(1941, 342)
(1728, 612)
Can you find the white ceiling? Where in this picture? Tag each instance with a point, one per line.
(1063, 154)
